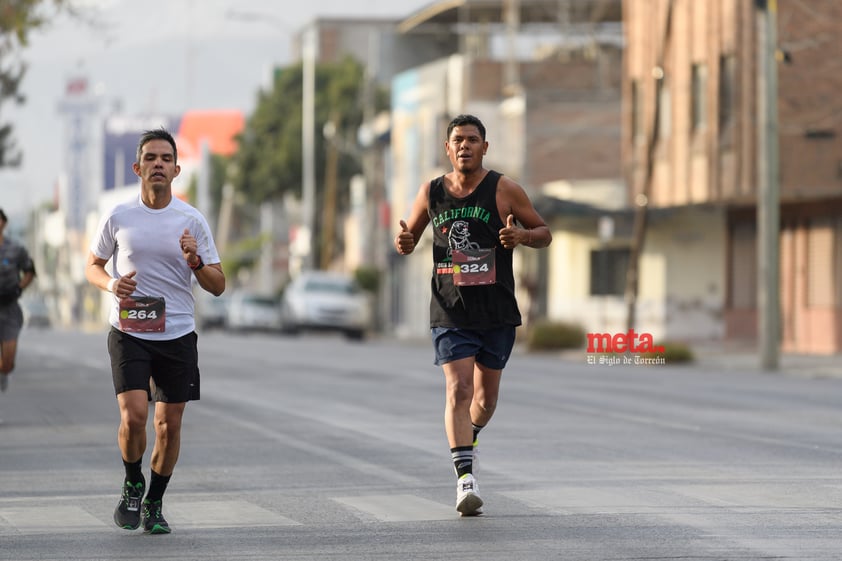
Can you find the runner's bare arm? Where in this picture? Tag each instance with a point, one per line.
(97, 275)
(413, 228)
(513, 200)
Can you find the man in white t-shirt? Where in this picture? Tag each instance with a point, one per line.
(156, 245)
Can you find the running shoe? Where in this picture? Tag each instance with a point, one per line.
(127, 513)
(475, 466)
(468, 501)
(153, 519)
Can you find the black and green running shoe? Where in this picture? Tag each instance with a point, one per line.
(127, 513)
(153, 519)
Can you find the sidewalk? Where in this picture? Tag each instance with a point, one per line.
(745, 358)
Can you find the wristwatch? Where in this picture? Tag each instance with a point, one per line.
(199, 265)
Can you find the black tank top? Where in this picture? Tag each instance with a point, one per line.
(472, 222)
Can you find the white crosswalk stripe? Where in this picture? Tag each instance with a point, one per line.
(45, 520)
(399, 508)
(223, 514)
(22, 516)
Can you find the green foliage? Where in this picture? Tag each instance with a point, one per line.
(218, 169)
(368, 278)
(674, 352)
(243, 254)
(554, 335)
(269, 161)
(269, 158)
(17, 20)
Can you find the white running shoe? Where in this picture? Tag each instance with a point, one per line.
(468, 501)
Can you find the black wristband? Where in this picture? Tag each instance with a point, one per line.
(199, 266)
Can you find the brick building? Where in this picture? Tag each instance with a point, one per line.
(697, 63)
(546, 83)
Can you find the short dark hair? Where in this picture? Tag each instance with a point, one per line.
(156, 134)
(3, 216)
(462, 120)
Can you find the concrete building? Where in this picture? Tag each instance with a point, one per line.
(544, 76)
(692, 70)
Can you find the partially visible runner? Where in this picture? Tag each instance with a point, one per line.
(16, 273)
(478, 216)
(158, 246)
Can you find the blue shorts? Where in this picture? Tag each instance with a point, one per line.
(491, 347)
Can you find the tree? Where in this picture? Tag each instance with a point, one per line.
(269, 160)
(17, 19)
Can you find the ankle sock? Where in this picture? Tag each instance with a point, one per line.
(463, 459)
(157, 485)
(134, 473)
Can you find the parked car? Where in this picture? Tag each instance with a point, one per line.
(318, 300)
(211, 311)
(36, 313)
(249, 310)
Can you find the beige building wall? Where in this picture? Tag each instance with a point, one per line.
(681, 283)
(695, 162)
(570, 284)
(691, 275)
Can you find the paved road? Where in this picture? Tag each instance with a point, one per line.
(316, 448)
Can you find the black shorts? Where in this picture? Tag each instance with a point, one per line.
(11, 321)
(167, 370)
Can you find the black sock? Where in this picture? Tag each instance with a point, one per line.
(463, 459)
(157, 486)
(134, 473)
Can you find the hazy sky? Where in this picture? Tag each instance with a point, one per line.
(163, 56)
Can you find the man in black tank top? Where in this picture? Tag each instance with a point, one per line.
(478, 216)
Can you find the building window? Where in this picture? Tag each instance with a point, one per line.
(727, 90)
(743, 281)
(608, 271)
(820, 285)
(837, 262)
(698, 105)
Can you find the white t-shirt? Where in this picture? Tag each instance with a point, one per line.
(135, 237)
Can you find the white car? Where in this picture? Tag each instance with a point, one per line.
(249, 310)
(211, 311)
(36, 313)
(319, 300)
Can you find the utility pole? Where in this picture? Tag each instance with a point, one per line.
(641, 200)
(331, 187)
(308, 142)
(768, 196)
